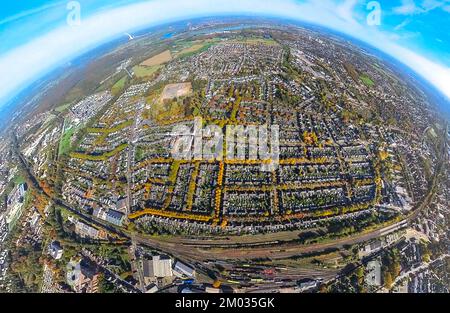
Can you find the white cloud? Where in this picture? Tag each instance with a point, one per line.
(346, 9)
(409, 7)
(400, 34)
(402, 25)
(429, 5)
(37, 57)
(31, 12)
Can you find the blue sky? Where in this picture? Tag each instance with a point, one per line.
(35, 36)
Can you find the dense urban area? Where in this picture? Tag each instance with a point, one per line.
(351, 195)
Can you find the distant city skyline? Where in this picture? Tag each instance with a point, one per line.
(36, 37)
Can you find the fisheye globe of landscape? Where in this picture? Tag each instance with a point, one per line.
(222, 154)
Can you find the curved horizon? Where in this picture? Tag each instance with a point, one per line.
(41, 55)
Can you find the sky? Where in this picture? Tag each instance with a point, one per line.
(38, 35)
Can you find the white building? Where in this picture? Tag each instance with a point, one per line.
(373, 276)
(159, 266)
(55, 250)
(182, 270)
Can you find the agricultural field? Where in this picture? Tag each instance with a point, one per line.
(158, 59)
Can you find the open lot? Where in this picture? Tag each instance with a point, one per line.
(176, 90)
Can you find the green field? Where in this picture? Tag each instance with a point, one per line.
(64, 144)
(139, 153)
(119, 85)
(144, 71)
(19, 179)
(63, 107)
(189, 48)
(366, 80)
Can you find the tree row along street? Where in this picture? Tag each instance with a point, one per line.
(201, 250)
